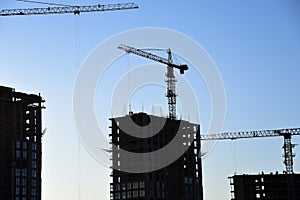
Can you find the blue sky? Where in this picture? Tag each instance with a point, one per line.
(255, 45)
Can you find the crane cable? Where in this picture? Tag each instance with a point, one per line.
(128, 82)
(45, 3)
(77, 64)
(234, 155)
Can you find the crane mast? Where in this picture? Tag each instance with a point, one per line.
(68, 9)
(171, 87)
(170, 77)
(286, 133)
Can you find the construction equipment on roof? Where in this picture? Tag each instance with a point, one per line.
(170, 77)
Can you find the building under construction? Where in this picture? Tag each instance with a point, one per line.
(265, 186)
(20, 145)
(181, 180)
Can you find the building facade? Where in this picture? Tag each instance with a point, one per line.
(180, 180)
(20, 145)
(265, 186)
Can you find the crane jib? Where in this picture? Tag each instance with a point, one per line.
(68, 9)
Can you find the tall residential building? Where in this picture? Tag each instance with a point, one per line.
(180, 180)
(20, 145)
(265, 186)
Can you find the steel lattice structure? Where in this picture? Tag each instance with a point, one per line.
(68, 9)
(251, 134)
(151, 56)
(170, 77)
(286, 133)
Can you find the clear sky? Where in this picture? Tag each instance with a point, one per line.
(255, 45)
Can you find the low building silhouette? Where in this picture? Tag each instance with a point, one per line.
(265, 186)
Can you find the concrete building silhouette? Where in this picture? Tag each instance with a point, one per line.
(265, 186)
(20, 145)
(180, 180)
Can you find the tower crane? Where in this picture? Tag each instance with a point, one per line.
(285, 133)
(68, 9)
(170, 77)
